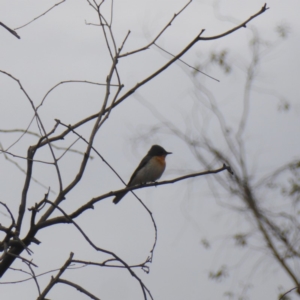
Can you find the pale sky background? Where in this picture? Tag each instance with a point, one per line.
(58, 47)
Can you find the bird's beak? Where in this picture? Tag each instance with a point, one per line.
(169, 153)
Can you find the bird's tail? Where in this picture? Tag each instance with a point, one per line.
(119, 197)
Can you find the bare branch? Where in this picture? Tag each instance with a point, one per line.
(54, 280)
(72, 81)
(244, 24)
(195, 69)
(39, 275)
(106, 264)
(40, 15)
(20, 130)
(30, 154)
(13, 222)
(22, 157)
(78, 287)
(34, 278)
(89, 204)
(282, 297)
(22, 258)
(14, 247)
(95, 150)
(189, 46)
(70, 220)
(160, 33)
(94, 7)
(10, 30)
(138, 85)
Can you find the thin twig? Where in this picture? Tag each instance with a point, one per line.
(95, 8)
(34, 278)
(25, 158)
(195, 69)
(244, 24)
(40, 15)
(77, 287)
(54, 280)
(96, 151)
(10, 213)
(71, 81)
(20, 130)
(39, 275)
(22, 258)
(105, 264)
(159, 34)
(283, 296)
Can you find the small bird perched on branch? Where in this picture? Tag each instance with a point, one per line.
(149, 170)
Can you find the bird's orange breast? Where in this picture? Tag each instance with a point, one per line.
(161, 160)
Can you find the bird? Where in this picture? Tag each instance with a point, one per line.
(150, 169)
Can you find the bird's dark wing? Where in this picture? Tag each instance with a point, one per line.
(140, 166)
(119, 196)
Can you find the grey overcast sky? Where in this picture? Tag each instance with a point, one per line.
(60, 46)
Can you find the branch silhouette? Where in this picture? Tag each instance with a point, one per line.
(42, 213)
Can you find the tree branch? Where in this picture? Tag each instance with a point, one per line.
(10, 30)
(54, 280)
(40, 15)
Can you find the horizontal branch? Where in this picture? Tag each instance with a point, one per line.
(74, 81)
(105, 264)
(90, 204)
(26, 158)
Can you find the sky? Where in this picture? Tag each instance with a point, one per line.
(64, 45)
